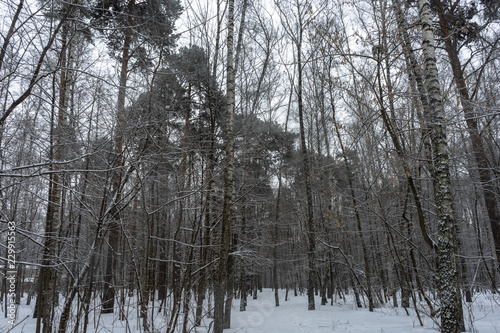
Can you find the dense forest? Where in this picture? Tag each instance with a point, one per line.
(177, 157)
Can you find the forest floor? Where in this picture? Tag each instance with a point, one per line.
(292, 316)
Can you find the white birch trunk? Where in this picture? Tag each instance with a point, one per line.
(447, 272)
(228, 213)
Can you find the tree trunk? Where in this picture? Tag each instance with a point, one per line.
(108, 301)
(311, 232)
(451, 306)
(228, 208)
(48, 274)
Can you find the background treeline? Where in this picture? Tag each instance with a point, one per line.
(114, 141)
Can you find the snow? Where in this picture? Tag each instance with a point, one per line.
(292, 316)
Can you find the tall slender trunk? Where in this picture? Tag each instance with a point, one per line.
(207, 225)
(451, 306)
(331, 193)
(231, 260)
(108, 301)
(210, 197)
(48, 272)
(278, 197)
(311, 230)
(228, 208)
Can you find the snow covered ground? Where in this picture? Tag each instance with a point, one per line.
(483, 316)
(293, 317)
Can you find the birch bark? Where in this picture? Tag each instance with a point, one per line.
(228, 208)
(449, 293)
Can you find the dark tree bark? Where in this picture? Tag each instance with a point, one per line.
(48, 274)
(108, 298)
(311, 228)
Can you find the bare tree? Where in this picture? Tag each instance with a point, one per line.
(451, 305)
(228, 210)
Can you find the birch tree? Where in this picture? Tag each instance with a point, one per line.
(449, 293)
(228, 208)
